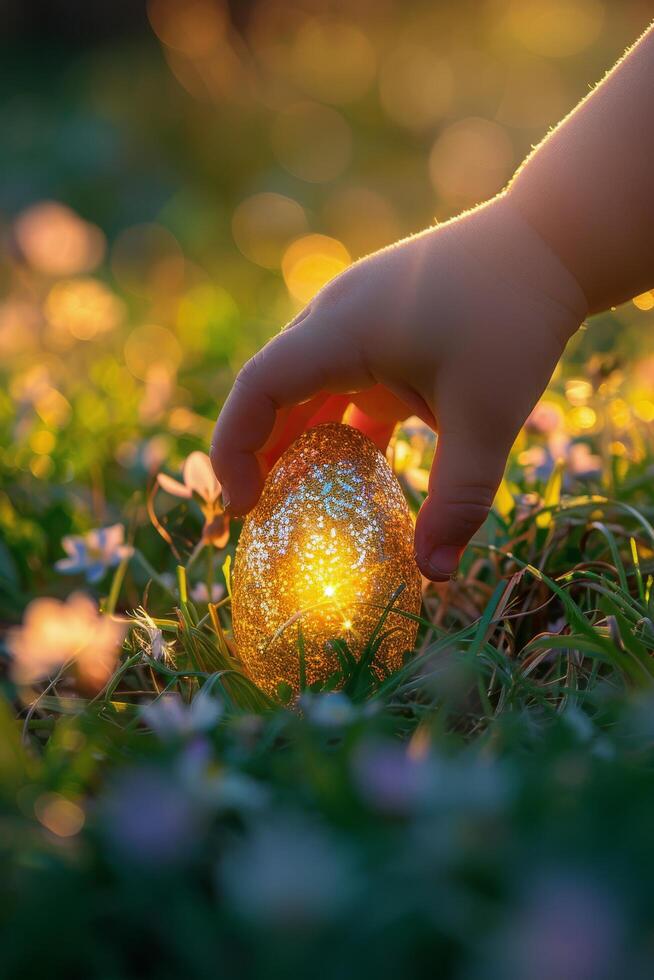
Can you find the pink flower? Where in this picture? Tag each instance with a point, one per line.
(54, 633)
(199, 478)
(546, 418)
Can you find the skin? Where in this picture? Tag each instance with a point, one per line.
(464, 323)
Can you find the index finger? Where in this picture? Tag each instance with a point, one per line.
(290, 369)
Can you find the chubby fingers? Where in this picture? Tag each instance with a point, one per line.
(465, 476)
(313, 356)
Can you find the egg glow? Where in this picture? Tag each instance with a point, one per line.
(318, 559)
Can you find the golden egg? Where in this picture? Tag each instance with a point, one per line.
(321, 555)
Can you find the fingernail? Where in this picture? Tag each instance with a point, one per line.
(226, 499)
(443, 561)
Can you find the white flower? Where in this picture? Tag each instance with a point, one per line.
(157, 647)
(169, 717)
(331, 710)
(54, 633)
(94, 552)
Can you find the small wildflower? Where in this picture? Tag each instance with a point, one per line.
(199, 478)
(95, 552)
(54, 633)
(169, 717)
(332, 710)
(156, 646)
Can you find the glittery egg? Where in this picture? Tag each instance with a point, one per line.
(318, 559)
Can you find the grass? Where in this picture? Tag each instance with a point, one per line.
(462, 811)
(484, 812)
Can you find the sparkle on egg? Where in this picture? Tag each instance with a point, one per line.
(319, 557)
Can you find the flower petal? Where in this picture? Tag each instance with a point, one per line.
(69, 566)
(73, 545)
(114, 537)
(216, 531)
(173, 487)
(95, 572)
(199, 476)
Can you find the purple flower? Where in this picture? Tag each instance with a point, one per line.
(94, 552)
(389, 779)
(568, 928)
(148, 819)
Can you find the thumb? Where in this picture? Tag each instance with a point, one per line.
(462, 486)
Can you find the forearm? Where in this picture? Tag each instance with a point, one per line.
(588, 188)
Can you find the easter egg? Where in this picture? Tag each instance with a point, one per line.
(319, 558)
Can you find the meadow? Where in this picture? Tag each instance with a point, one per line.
(174, 188)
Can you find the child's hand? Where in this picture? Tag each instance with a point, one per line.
(461, 325)
(464, 323)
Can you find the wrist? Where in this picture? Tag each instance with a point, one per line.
(512, 248)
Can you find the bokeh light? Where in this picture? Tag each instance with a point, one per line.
(83, 308)
(470, 161)
(207, 320)
(263, 224)
(19, 323)
(362, 219)
(56, 241)
(310, 262)
(151, 344)
(416, 86)
(312, 141)
(645, 301)
(60, 816)
(535, 94)
(146, 259)
(332, 60)
(194, 27)
(555, 28)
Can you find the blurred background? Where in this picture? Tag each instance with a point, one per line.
(178, 177)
